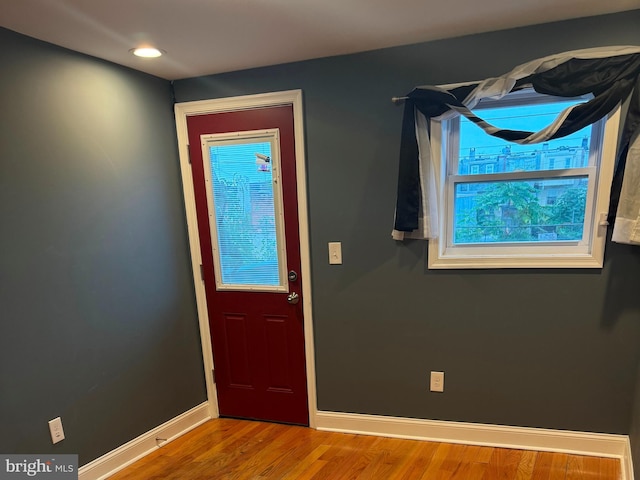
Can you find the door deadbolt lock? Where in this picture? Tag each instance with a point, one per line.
(293, 276)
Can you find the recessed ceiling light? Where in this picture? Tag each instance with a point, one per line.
(146, 52)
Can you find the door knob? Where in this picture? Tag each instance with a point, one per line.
(293, 298)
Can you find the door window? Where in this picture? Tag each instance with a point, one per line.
(242, 174)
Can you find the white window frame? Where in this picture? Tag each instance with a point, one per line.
(587, 253)
(271, 136)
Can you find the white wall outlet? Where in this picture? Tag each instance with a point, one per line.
(55, 427)
(437, 381)
(335, 253)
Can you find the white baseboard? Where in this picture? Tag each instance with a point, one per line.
(627, 463)
(579, 443)
(539, 439)
(146, 443)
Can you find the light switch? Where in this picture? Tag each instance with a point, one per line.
(335, 253)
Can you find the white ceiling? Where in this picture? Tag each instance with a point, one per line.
(213, 36)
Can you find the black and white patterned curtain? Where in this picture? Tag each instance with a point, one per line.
(611, 75)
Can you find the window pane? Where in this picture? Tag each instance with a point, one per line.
(245, 214)
(481, 153)
(520, 211)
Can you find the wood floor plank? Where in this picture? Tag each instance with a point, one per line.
(526, 465)
(341, 455)
(440, 455)
(484, 454)
(452, 462)
(304, 466)
(542, 466)
(417, 462)
(474, 463)
(575, 468)
(227, 449)
(313, 469)
(591, 468)
(473, 452)
(610, 468)
(558, 470)
(346, 464)
(503, 464)
(392, 459)
(295, 453)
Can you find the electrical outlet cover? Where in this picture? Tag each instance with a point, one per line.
(55, 428)
(437, 382)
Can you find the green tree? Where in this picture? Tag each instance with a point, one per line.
(503, 211)
(568, 213)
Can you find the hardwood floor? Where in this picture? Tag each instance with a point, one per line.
(225, 449)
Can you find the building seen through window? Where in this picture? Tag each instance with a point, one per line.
(539, 205)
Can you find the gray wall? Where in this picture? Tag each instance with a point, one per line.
(634, 432)
(541, 348)
(97, 313)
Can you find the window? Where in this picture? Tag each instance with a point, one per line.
(505, 205)
(244, 196)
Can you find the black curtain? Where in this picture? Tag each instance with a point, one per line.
(610, 80)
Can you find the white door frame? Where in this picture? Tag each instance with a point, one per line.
(203, 107)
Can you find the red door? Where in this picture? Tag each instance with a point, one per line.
(244, 176)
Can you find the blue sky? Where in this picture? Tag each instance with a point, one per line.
(239, 159)
(515, 118)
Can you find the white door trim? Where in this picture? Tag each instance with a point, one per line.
(187, 109)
